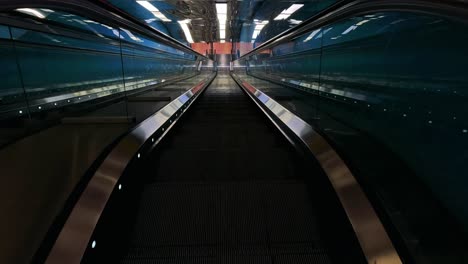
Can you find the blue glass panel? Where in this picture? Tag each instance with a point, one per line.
(4, 32)
(70, 20)
(148, 63)
(12, 100)
(388, 89)
(41, 38)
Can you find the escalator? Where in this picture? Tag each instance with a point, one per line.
(225, 186)
(333, 141)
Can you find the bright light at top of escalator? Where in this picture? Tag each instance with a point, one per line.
(150, 7)
(32, 12)
(221, 11)
(185, 28)
(221, 8)
(288, 12)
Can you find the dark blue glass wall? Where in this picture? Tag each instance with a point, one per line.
(59, 60)
(70, 86)
(380, 85)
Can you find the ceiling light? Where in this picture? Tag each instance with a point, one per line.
(31, 11)
(221, 11)
(221, 8)
(259, 25)
(150, 7)
(185, 28)
(288, 12)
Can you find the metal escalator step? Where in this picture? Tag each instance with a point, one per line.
(231, 164)
(225, 220)
(225, 188)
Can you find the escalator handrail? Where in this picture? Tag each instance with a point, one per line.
(96, 11)
(369, 229)
(74, 237)
(452, 9)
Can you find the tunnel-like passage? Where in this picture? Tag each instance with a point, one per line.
(313, 131)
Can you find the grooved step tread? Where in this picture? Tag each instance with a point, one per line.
(225, 187)
(225, 220)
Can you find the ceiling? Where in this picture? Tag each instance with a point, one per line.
(244, 17)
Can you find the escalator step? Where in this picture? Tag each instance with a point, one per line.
(225, 187)
(185, 222)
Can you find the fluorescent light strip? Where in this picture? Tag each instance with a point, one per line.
(32, 12)
(288, 12)
(185, 28)
(221, 8)
(259, 25)
(150, 7)
(221, 11)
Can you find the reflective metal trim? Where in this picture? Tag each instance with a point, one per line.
(75, 235)
(372, 236)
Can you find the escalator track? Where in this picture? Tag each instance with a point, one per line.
(225, 186)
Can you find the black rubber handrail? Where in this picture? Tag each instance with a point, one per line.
(452, 9)
(75, 236)
(102, 13)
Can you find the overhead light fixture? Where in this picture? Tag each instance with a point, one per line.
(259, 25)
(32, 12)
(221, 11)
(150, 7)
(288, 12)
(185, 28)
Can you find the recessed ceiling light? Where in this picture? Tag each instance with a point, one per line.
(288, 12)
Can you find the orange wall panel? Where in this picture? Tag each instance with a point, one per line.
(222, 48)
